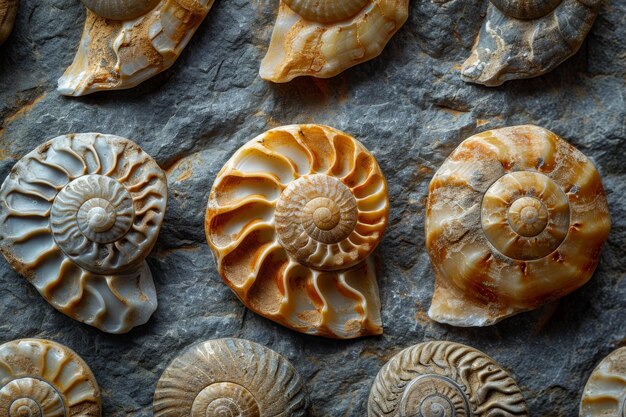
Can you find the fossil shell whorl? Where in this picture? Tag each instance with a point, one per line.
(41, 378)
(605, 392)
(516, 217)
(78, 216)
(526, 9)
(322, 38)
(292, 219)
(8, 12)
(444, 379)
(516, 43)
(229, 377)
(120, 9)
(120, 54)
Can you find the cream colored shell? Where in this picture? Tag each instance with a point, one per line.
(120, 9)
(40, 378)
(8, 11)
(321, 38)
(120, 54)
(516, 217)
(292, 219)
(444, 379)
(230, 377)
(78, 216)
(527, 38)
(605, 392)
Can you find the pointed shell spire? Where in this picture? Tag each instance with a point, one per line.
(292, 219)
(516, 217)
(78, 216)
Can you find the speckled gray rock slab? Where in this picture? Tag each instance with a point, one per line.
(409, 107)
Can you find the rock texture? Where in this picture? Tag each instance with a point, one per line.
(409, 107)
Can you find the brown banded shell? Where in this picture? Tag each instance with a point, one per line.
(516, 217)
(292, 219)
(527, 38)
(229, 377)
(145, 38)
(41, 378)
(322, 38)
(8, 12)
(605, 392)
(444, 379)
(78, 216)
(120, 9)
(526, 9)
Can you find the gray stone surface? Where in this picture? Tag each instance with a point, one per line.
(409, 107)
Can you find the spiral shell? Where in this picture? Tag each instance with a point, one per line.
(40, 378)
(605, 392)
(527, 38)
(516, 217)
(8, 12)
(144, 40)
(444, 379)
(229, 377)
(322, 38)
(78, 215)
(120, 9)
(292, 218)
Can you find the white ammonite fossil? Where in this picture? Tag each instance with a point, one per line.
(444, 379)
(41, 378)
(292, 219)
(125, 42)
(605, 392)
(230, 377)
(527, 38)
(8, 12)
(78, 216)
(321, 38)
(516, 217)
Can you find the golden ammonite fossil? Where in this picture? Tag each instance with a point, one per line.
(321, 38)
(605, 392)
(516, 217)
(78, 216)
(230, 377)
(41, 378)
(292, 219)
(444, 379)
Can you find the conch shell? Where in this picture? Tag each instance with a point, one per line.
(516, 217)
(605, 392)
(527, 38)
(129, 42)
(78, 216)
(321, 38)
(444, 379)
(230, 377)
(41, 378)
(292, 219)
(8, 11)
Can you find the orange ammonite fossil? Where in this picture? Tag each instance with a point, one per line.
(292, 219)
(516, 217)
(605, 392)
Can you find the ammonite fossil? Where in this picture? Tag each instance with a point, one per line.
(292, 218)
(322, 38)
(516, 217)
(527, 38)
(444, 379)
(78, 215)
(125, 42)
(8, 11)
(605, 392)
(40, 378)
(230, 377)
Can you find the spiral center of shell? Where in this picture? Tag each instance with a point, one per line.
(325, 213)
(225, 399)
(25, 407)
(528, 216)
(433, 395)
